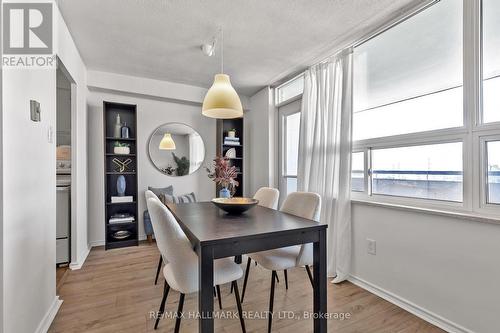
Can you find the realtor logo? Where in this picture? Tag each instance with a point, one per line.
(28, 35)
(27, 28)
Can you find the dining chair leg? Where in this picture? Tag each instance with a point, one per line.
(310, 275)
(277, 278)
(215, 292)
(231, 291)
(166, 289)
(179, 314)
(158, 269)
(286, 280)
(218, 296)
(249, 261)
(238, 304)
(271, 302)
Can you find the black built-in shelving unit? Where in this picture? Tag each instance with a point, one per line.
(128, 115)
(223, 126)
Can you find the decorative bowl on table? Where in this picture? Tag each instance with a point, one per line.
(235, 206)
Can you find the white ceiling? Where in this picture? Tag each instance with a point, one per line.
(264, 40)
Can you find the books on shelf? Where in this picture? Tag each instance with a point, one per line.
(231, 141)
(126, 198)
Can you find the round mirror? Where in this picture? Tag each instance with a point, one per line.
(176, 149)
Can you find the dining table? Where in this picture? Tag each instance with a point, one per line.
(215, 234)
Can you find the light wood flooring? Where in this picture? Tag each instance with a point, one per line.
(115, 292)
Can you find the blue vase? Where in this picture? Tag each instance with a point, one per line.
(224, 193)
(121, 185)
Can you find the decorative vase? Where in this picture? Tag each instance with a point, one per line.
(125, 131)
(231, 134)
(118, 127)
(121, 185)
(224, 193)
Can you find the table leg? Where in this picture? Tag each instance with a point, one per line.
(206, 285)
(319, 278)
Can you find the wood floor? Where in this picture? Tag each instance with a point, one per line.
(115, 292)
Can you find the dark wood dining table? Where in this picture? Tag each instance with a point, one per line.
(215, 234)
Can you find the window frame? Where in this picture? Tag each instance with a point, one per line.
(474, 134)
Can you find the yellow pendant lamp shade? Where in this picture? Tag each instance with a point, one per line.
(221, 100)
(167, 143)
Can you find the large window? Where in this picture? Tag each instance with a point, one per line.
(289, 147)
(409, 78)
(491, 60)
(426, 131)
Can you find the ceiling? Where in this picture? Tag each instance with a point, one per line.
(264, 40)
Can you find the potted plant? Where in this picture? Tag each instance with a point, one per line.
(224, 174)
(121, 148)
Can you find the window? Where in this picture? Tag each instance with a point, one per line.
(289, 147)
(429, 171)
(290, 89)
(491, 60)
(493, 172)
(358, 172)
(409, 78)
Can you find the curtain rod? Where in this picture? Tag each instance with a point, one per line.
(388, 25)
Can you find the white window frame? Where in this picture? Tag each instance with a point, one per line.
(473, 134)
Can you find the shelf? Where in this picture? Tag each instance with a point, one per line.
(232, 145)
(120, 203)
(121, 173)
(126, 224)
(234, 158)
(121, 155)
(119, 139)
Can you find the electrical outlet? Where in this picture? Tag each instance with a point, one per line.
(372, 246)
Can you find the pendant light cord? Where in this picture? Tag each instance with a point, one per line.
(222, 50)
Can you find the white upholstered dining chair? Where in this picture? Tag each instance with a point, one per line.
(303, 204)
(268, 197)
(181, 267)
(149, 194)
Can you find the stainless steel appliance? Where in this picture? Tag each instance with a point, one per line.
(63, 212)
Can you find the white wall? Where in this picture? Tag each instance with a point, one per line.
(152, 112)
(260, 140)
(447, 267)
(29, 190)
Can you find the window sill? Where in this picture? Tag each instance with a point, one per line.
(470, 216)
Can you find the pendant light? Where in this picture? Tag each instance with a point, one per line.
(167, 143)
(221, 100)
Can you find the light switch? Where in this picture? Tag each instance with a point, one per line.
(35, 111)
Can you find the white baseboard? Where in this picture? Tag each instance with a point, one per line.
(44, 325)
(413, 308)
(81, 260)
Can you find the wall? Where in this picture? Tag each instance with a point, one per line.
(260, 135)
(29, 191)
(444, 268)
(152, 112)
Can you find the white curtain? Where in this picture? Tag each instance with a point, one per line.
(325, 153)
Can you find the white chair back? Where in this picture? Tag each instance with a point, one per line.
(306, 205)
(303, 204)
(149, 194)
(268, 197)
(174, 246)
